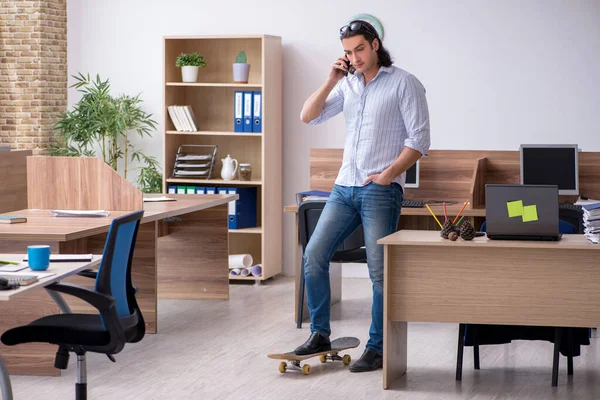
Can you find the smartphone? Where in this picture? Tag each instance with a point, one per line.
(350, 67)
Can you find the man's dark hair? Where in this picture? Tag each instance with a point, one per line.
(370, 34)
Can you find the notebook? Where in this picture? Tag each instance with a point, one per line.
(67, 257)
(22, 280)
(80, 213)
(11, 219)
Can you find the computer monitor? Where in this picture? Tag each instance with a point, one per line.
(412, 176)
(551, 165)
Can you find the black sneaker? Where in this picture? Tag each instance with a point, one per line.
(369, 361)
(315, 344)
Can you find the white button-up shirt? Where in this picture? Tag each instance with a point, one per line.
(382, 118)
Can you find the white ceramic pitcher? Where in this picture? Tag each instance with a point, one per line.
(228, 171)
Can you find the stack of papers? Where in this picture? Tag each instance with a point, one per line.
(80, 213)
(591, 221)
(311, 195)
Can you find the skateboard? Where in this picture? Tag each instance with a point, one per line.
(293, 360)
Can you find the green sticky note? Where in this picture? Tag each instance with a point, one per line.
(530, 213)
(515, 208)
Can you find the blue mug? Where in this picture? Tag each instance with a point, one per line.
(38, 257)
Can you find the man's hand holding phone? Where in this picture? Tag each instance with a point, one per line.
(339, 69)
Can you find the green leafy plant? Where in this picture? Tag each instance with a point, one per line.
(192, 60)
(241, 58)
(102, 120)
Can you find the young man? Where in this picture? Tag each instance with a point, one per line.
(387, 121)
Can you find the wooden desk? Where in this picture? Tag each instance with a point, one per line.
(410, 218)
(61, 270)
(182, 257)
(430, 279)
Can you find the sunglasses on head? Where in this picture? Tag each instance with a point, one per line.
(356, 26)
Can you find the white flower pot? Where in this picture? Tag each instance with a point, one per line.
(241, 72)
(189, 73)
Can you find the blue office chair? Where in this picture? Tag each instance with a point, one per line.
(477, 334)
(119, 320)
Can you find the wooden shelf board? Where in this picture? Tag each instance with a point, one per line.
(256, 230)
(207, 84)
(214, 181)
(246, 278)
(215, 133)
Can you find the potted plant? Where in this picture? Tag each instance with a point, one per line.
(100, 121)
(241, 70)
(190, 64)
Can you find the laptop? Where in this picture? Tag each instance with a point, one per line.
(522, 212)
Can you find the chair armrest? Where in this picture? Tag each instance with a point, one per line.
(100, 301)
(88, 273)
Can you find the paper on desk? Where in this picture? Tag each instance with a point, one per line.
(12, 267)
(163, 198)
(581, 202)
(80, 213)
(29, 272)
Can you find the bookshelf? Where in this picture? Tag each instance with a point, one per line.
(212, 101)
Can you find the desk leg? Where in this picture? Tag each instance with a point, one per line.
(394, 351)
(394, 333)
(5, 381)
(60, 301)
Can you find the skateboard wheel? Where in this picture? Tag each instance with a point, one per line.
(346, 359)
(306, 369)
(323, 358)
(282, 367)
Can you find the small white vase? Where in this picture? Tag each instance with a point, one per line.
(241, 72)
(189, 73)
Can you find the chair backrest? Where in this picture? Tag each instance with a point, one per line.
(114, 274)
(308, 216)
(573, 217)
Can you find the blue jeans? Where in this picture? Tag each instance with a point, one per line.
(377, 207)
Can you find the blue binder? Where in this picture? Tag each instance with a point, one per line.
(238, 111)
(242, 212)
(247, 111)
(257, 112)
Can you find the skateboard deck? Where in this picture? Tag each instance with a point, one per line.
(337, 345)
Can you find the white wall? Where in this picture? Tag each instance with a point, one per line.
(497, 73)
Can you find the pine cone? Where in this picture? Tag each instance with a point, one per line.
(446, 229)
(467, 232)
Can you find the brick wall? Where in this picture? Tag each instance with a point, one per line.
(33, 71)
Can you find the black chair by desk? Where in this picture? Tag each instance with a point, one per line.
(350, 251)
(119, 320)
(571, 222)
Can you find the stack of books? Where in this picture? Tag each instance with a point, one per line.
(591, 221)
(183, 118)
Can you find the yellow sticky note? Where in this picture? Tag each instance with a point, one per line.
(515, 208)
(530, 213)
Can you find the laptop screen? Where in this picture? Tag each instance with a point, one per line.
(526, 210)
